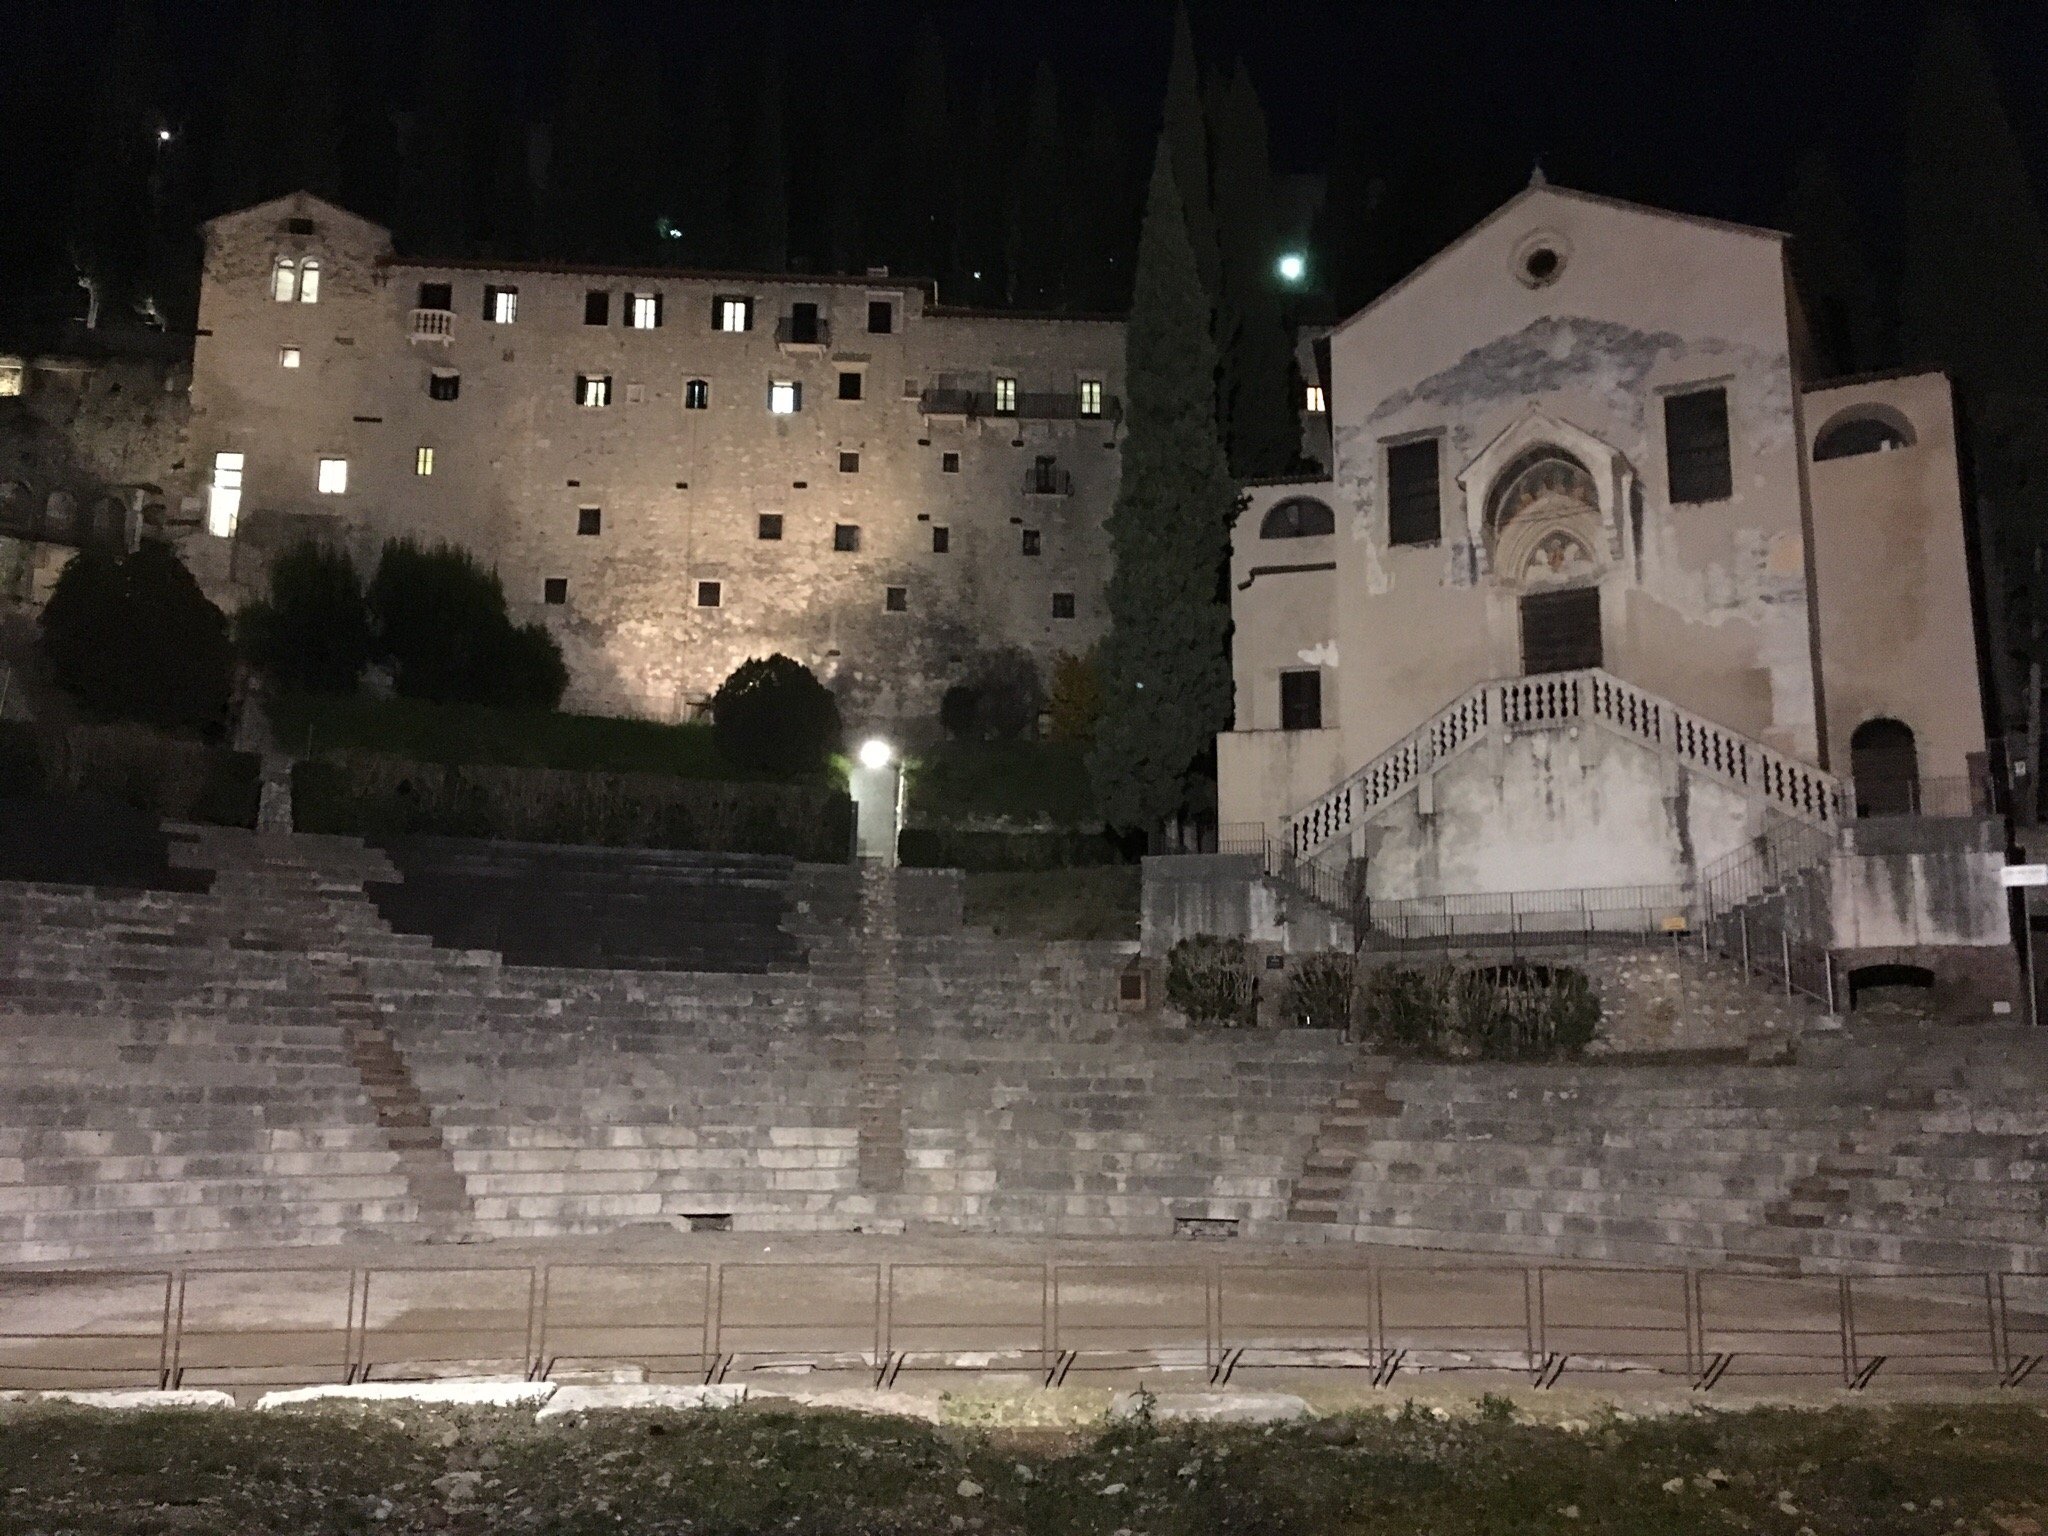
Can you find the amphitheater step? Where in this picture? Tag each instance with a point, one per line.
(881, 1156)
(1357, 1115)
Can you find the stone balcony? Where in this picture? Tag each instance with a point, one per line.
(434, 326)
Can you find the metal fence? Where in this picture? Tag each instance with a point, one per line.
(707, 1321)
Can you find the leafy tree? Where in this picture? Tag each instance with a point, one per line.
(438, 618)
(1166, 665)
(1835, 285)
(1000, 701)
(109, 227)
(774, 716)
(313, 632)
(133, 638)
(1256, 397)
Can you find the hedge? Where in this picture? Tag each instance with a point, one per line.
(1004, 852)
(161, 776)
(366, 795)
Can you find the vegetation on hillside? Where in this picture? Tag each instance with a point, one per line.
(131, 637)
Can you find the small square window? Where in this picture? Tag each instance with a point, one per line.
(849, 463)
(597, 307)
(287, 357)
(333, 479)
(849, 383)
(423, 461)
(896, 599)
(697, 395)
(768, 526)
(942, 540)
(589, 521)
(881, 317)
(1006, 397)
(443, 384)
(594, 390)
(437, 296)
(732, 314)
(643, 311)
(555, 590)
(949, 463)
(710, 594)
(785, 398)
(1063, 605)
(1091, 397)
(501, 305)
(846, 538)
(1030, 543)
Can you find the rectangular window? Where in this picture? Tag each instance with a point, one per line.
(896, 599)
(284, 281)
(785, 398)
(849, 384)
(1414, 493)
(1696, 446)
(443, 384)
(849, 463)
(846, 538)
(697, 395)
(768, 526)
(710, 594)
(597, 307)
(333, 477)
(803, 325)
(298, 226)
(555, 590)
(14, 373)
(437, 296)
(732, 314)
(1314, 401)
(942, 540)
(1063, 605)
(949, 463)
(1561, 630)
(309, 282)
(1030, 542)
(589, 522)
(1091, 397)
(224, 495)
(1006, 397)
(423, 461)
(501, 305)
(1301, 701)
(643, 311)
(594, 390)
(287, 357)
(881, 317)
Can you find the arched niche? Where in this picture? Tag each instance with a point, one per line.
(1861, 429)
(1298, 517)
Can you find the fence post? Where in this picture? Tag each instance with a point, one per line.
(1785, 948)
(1742, 921)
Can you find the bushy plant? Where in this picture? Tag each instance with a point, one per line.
(133, 638)
(1319, 992)
(1515, 1012)
(1213, 981)
(1000, 699)
(774, 716)
(1074, 702)
(313, 631)
(438, 618)
(1402, 1009)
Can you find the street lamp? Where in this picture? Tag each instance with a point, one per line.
(875, 753)
(1292, 267)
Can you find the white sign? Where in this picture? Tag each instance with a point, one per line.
(2023, 874)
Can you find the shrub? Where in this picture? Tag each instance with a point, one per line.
(528, 671)
(313, 631)
(986, 852)
(1402, 1009)
(1074, 702)
(1319, 993)
(1213, 981)
(1517, 1012)
(21, 765)
(774, 716)
(439, 620)
(999, 701)
(133, 638)
(161, 776)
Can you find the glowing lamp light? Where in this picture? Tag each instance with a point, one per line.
(163, 135)
(875, 753)
(1292, 267)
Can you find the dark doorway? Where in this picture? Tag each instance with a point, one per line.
(1561, 630)
(1885, 978)
(1885, 767)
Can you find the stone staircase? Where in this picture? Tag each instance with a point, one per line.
(1355, 1117)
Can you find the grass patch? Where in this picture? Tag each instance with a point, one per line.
(1036, 782)
(1098, 903)
(1905, 1471)
(517, 738)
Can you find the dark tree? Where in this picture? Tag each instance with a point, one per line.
(763, 204)
(313, 631)
(1039, 236)
(445, 155)
(607, 172)
(438, 620)
(1836, 289)
(1255, 398)
(1102, 213)
(1166, 664)
(704, 170)
(133, 638)
(979, 261)
(773, 716)
(277, 130)
(1187, 136)
(114, 210)
(921, 213)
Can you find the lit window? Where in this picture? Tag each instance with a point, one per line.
(1063, 605)
(13, 374)
(309, 282)
(697, 395)
(784, 397)
(224, 495)
(710, 594)
(284, 281)
(501, 305)
(423, 461)
(594, 390)
(896, 599)
(287, 357)
(643, 311)
(768, 526)
(333, 477)
(732, 314)
(1091, 397)
(554, 590)
(1006, 397)
(1316, 403)
(589, 522)
(846, 538)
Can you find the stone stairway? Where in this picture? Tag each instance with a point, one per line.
(881, 1067)
(1354, 1118)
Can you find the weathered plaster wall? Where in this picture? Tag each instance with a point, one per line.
(681, 491)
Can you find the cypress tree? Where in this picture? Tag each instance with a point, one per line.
(1187, 134)
(277, 130)
(1165, 662)
(763, 207)
(980, 266)
(1834, 281)
(1255, 398)
(921, 214)
(1102, 205)
(1038, 235)
(607, 180)
(1974, 295)
(703, 210)
(441, 170)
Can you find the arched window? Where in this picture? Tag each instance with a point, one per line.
(1298, 517)
(284, 281)
(309, 282)
(1885, 766)
(1868, 429)
(1537, 475)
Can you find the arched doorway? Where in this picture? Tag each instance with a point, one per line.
(1542, 530)
(1885, 766)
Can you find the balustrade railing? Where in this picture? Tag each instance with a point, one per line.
(433, 325)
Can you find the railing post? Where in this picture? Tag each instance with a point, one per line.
(1742, 920)
(1785, 947)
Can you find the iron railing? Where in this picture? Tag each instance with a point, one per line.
(811, 333)
(709, 1320)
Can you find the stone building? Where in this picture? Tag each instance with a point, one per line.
(675, 470)
(1600, 589)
